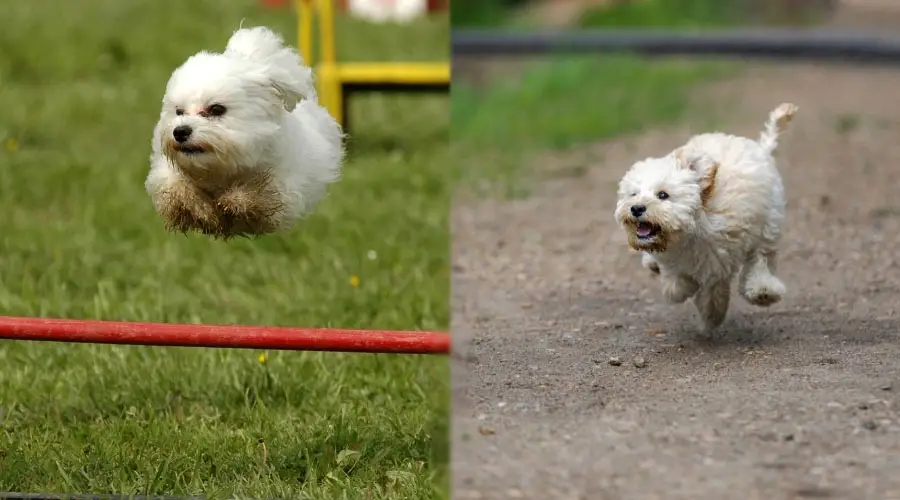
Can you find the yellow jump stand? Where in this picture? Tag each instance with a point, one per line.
(336, 81)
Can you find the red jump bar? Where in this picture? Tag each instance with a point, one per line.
(232, 336)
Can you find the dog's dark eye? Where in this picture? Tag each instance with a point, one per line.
(662, 195)
(179, 112)
(217, 110)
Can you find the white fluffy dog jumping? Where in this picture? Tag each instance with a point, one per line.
(242, 146)
(708, 211)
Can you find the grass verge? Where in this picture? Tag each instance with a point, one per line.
(702, 14)
(563, 102)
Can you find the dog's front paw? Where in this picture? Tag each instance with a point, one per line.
(764, 293)
(712, 305)
(650, 263)
(252, 206)
(184, 209)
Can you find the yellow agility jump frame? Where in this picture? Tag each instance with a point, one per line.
(335, 81)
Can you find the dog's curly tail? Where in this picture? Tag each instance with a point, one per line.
(777, 123)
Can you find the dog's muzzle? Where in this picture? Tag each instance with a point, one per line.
(643, 229)
(646, 230)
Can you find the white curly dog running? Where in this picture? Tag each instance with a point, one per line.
(708, 211)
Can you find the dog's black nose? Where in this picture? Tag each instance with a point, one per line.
(638, 210)
(183, 133)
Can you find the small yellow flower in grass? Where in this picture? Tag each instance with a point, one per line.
(354, 281)
(12, 145)
(263, 357)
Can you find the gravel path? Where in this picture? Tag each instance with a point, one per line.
(798, 401)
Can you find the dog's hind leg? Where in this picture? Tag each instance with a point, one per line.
(712, 304)
(758, 284)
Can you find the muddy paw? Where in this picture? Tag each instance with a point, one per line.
(763, 298)
(764, 295)
(184, 209)
(249, 209)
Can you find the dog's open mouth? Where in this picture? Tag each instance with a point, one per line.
(646, 230)
(189, 150)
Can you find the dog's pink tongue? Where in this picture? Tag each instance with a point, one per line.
(643, 230)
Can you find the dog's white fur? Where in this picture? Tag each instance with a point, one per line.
(273, 122)
(722, 218)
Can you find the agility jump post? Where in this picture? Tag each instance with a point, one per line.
(232, 336)
(336, 81)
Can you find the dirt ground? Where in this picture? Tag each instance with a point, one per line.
(798, 401)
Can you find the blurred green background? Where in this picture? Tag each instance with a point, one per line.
(506, 109)
(643, 13)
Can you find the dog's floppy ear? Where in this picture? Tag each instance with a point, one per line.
(291, 93)
(291, 83)
(706, 168)
(288, 76)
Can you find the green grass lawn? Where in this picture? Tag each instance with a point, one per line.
(682, 14)
(701, 14)
(80, 90)
(567, 100)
